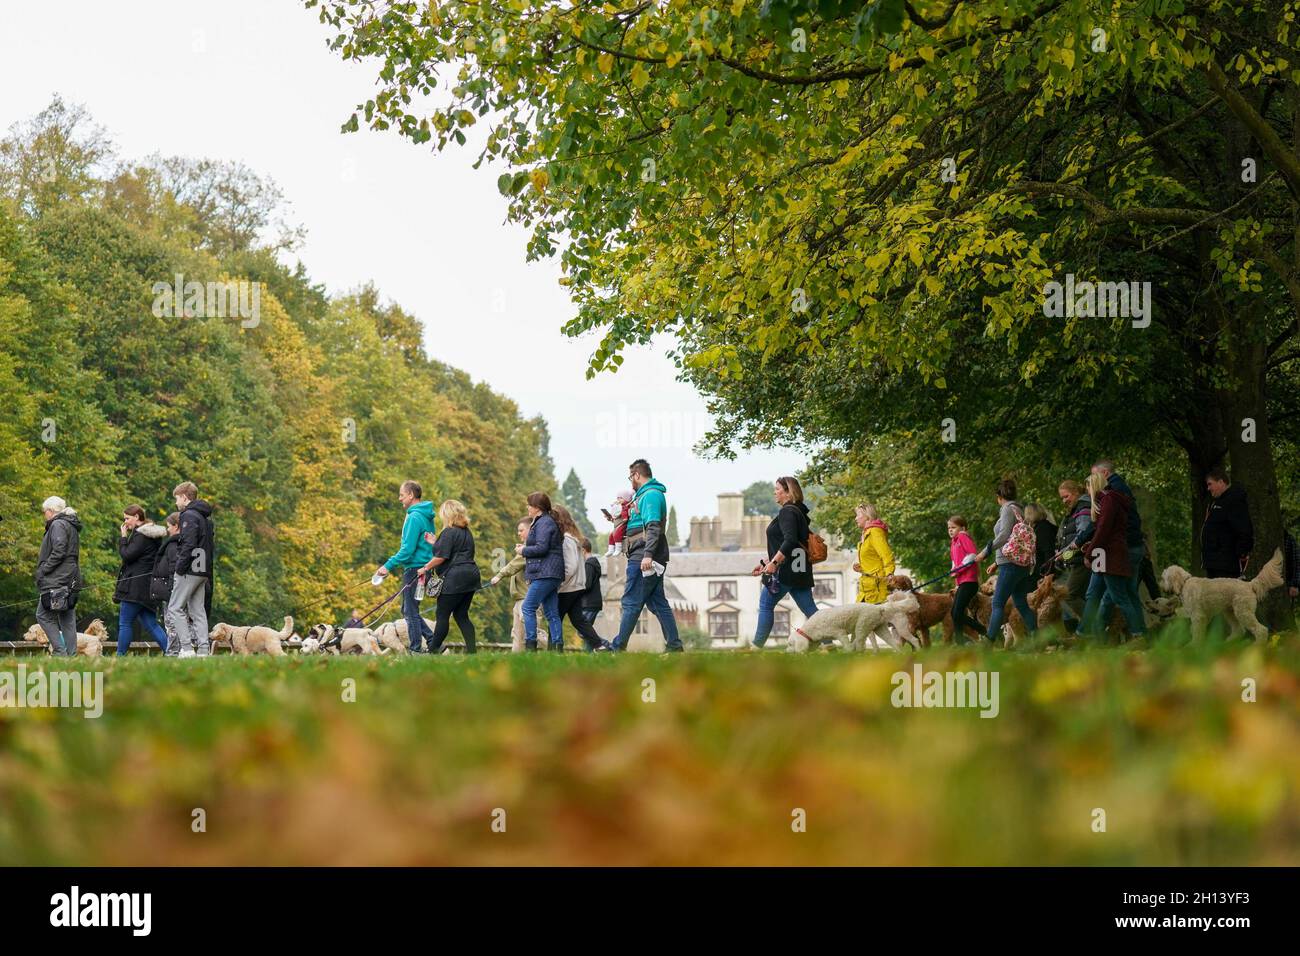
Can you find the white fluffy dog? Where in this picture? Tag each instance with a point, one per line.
(1236, 600)
(393, 635)
(310, 645)
(89, 644)
(254, 639)
(856, 625)
(352, 640)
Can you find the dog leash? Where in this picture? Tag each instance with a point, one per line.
(386, 601)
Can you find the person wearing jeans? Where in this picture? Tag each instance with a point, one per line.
(1110, 557)
(543, 553)
(1013, 579)
(787, 569)
(414, 552)
(137, 546)
(646, 545)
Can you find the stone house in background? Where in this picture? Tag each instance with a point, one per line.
(710, 587)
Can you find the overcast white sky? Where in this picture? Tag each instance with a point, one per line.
(252, 80)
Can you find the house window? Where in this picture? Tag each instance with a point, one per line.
(722, 590)
(643, 623)
(781, 623)
(825, 589)
(724, 624)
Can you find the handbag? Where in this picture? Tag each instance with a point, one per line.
(59, 599)
(816, 548)
(1021, 543)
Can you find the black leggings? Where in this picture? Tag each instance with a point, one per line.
(965, 594)
(449, 606)
(571, 607)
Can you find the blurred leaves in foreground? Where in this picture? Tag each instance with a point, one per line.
(708, 773)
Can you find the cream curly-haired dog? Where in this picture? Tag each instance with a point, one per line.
(856, 624)
(1236, 600)
(392, 635)
(254, 639)
(352, 640)
(89, 643)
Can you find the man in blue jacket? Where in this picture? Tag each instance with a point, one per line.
(414, 553)
(645, 545)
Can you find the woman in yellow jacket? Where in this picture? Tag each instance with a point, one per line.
(875, 559)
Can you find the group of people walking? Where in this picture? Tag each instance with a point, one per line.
(553, 575)
(165, 568)
(1098, 551)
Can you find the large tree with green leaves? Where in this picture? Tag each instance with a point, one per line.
(848, 215)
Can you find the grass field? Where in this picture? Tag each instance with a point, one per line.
(710, 772)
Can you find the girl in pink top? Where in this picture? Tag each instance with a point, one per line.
(963, 553)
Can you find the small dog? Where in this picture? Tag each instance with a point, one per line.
(353, 640)
(1047, 601)
(310, 645)
(856, 625)
(254, 639)
(1236, 600)
(89, 643)
(933, 609)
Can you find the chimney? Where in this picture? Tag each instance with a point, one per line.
(731, 509)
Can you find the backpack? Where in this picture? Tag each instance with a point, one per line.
(1021, 544)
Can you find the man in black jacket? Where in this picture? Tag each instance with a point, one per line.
(187, 610)
(1228, 536)
(58, 576)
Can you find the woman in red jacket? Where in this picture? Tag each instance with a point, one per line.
(1107, 554)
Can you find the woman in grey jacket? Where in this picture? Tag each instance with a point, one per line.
(574, 585)
(1013, 580)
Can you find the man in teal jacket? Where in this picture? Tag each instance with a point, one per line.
(414, 553)
(646, 544)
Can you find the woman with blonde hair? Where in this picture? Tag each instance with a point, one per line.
(1044, 541)
(875, 559)
(1107, 553)
(453, 562)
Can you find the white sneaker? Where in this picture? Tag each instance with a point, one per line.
(186, 652)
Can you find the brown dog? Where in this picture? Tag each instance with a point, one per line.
(932, 609)
(1047, 601)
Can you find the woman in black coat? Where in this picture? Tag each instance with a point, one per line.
(138, 549)
(787, 570)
